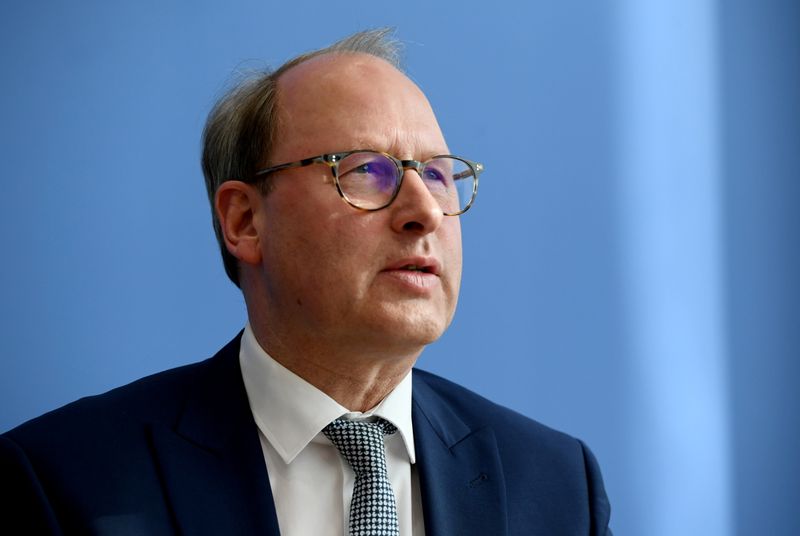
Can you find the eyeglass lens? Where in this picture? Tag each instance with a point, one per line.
(370, 180)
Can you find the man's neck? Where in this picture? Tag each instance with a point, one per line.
(357, 379)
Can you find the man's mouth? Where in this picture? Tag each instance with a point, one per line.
(425, 265)
(415, 268)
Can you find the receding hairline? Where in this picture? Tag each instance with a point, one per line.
(329, 56)
(298, 85)
(296, 74)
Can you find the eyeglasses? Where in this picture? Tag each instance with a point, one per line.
(371, 180)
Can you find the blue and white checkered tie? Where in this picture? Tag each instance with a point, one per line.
(373, 511)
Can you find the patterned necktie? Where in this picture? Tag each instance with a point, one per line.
(373, 511)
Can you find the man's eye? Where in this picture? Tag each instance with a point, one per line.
(363, 168)
(434, 175)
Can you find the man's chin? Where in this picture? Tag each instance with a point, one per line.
(414, 330)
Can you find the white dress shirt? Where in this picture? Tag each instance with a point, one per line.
(312, 484)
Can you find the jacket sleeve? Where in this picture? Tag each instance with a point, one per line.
(24, 507)
(600, 508)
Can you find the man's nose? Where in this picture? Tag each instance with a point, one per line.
(415, 209)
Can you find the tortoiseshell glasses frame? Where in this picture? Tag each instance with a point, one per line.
(371, 180)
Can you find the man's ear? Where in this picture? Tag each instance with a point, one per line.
(236, 204)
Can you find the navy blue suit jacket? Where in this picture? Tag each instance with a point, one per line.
(178, 452)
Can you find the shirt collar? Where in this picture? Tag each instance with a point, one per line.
(290, 412)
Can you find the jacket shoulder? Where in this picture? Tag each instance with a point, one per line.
(477, 411)
(154, 397)
(541, 465)
(158, 398)
(75, 465)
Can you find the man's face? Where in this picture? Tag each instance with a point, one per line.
(336, 273)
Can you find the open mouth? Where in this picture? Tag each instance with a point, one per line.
(420, 264)
(415, 268)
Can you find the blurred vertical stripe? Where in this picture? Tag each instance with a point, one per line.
(671, 215)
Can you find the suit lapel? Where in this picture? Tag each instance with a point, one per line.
(461, 477)
(211, 462)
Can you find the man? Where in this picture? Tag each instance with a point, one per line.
(336, 204)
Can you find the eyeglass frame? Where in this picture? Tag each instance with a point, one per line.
(332, 160)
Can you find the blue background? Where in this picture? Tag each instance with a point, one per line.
(630, 265)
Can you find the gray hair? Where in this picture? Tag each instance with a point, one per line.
(241, 128)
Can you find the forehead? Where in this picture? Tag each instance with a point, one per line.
(347, 101)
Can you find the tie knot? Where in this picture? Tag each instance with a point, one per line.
(361, 443)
